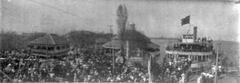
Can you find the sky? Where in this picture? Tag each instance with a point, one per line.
(155, 18)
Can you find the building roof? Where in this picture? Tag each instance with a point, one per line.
(50, 39)
(113, 44)
(135, 38)
(116, 44)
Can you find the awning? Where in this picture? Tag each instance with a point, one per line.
(114, 44)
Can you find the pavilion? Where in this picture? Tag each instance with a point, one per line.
(136, 44)
(50, 45)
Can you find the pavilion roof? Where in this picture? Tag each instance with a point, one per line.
(135, 38)
(50, 39)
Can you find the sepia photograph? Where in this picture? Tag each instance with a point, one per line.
(120, 41)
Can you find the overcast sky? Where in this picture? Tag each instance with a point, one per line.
(155, 18)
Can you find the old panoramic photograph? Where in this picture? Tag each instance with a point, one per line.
(120, 41)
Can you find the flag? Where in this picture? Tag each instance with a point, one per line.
(185, 20)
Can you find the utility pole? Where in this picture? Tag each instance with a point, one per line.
(112, 51)
(216, 69)
(149, 69)
(127, 49)
(110, 29)
(113, 61)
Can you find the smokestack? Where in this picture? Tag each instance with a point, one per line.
(195, 33)
(132, 26)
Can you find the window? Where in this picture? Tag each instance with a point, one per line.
(204, 58)
(50, 48)
(199, 58)
(58, 48)
(45, 48)
(38, 47)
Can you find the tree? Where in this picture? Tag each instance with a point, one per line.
(85, 39)
(11, 40)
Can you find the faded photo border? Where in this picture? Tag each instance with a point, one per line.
(157, 19)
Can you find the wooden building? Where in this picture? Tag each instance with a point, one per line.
(50, 45)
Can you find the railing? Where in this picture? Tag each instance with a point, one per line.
(190, 50)
(49, 52)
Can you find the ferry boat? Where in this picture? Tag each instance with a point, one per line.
(199, 50)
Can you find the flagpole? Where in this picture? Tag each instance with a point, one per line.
(189, 28)
(189, 25)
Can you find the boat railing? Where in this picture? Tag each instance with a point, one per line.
(189, 50)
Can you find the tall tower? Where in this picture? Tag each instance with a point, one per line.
(122, 18)
(1, 23)
(1, 11)
(121, 23)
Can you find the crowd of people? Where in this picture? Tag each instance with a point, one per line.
(83, 66)
(175, 69)
(80, 67)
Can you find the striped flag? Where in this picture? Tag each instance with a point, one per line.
(185, 20)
